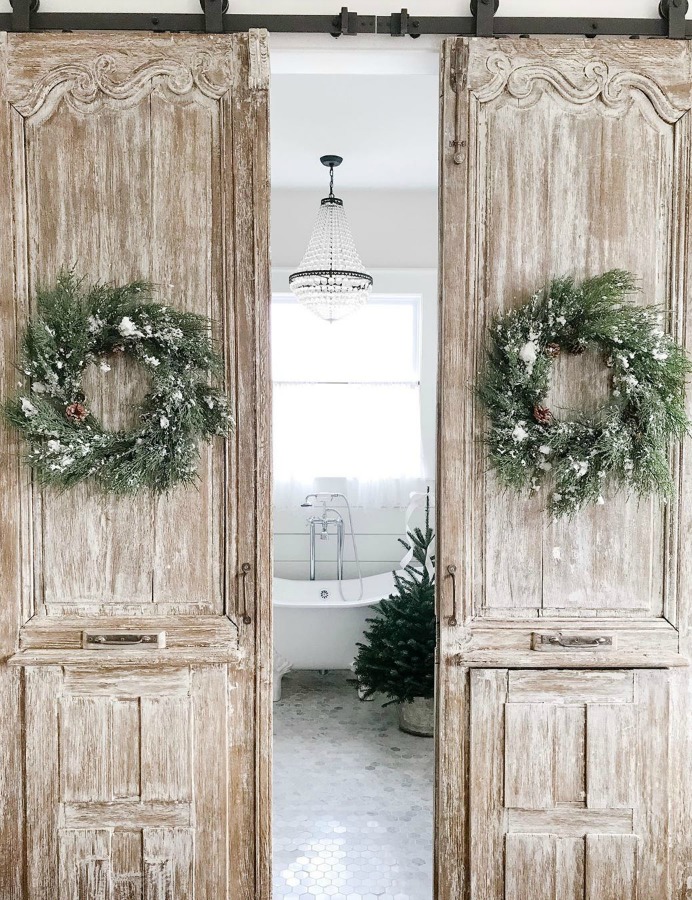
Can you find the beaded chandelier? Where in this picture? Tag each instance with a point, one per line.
(331, 280)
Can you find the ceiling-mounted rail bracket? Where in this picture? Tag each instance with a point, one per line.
(402, 24)
(21, 13)
(674, 12)
(213, 15)
(483, 12)
(345, 23)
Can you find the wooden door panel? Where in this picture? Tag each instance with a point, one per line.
(120, 195)
(555, 154)
(629, 178)
(572, 804)
(124, 811)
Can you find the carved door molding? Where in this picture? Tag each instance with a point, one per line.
(558, 156)
(133, 774)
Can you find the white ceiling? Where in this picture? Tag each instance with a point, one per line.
(385, 127)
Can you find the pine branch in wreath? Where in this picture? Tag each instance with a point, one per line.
(77, 325)
(626, 443)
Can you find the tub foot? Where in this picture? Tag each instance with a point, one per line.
(281, 667)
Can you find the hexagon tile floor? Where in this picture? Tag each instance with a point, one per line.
(353, 796)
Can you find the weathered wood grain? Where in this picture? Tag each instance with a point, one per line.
(659, 775)
(529, 726)
(570, 822)
(611, 867)
(85, 738)
(553, 155)
(569, 868)
(128, 814)
(488, 736)
(42, 782)
(182, 632)
(571, 687)
(168, 864)
(153, 767)
(186, 179)
(211, 725)
(611, 756)
(454, 479)
(166, 748)
(530, 867)
(85, 869)
(126, 726)
(96, 222)
(247, 183)
(569, 727)
(614, 750)
(126, 862)
(545, 195)
(14, 531)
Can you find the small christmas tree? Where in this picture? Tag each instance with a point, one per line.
(398, 656)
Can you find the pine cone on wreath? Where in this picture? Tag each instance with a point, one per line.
(76, 412)
(577, 348)
(543, 415)
(552, 350)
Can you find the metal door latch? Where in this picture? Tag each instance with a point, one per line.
(569, 641)
(151, 640)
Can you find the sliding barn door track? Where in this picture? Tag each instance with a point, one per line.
(216, 18)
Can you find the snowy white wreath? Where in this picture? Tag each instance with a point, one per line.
(79, 324)
(628, 440)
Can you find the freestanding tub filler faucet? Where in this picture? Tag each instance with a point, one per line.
(320, 524)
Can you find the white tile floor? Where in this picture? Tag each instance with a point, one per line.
(353, 797)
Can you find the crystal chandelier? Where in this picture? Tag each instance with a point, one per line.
(331, 280)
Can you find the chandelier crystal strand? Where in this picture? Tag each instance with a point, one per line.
(331, 280)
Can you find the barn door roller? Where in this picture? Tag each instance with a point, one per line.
(674, 11)
(21, 13)
(483, 12)
(213, 15)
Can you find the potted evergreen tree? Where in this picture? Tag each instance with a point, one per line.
(397, 657)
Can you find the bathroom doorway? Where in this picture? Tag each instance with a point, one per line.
(354, 489)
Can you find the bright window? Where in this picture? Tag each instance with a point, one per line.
(347, 400)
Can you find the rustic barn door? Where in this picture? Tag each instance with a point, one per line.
(138, 774)
(563, 772)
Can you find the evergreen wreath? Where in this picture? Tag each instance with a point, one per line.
(627, 441)
(78, 325)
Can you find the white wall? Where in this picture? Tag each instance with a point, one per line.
(393, 229)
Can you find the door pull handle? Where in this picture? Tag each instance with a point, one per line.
(452, 572)
(561, 641)
(244, 570)
(151, 640)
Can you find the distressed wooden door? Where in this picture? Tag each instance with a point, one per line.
(562, 772)
(138, 774)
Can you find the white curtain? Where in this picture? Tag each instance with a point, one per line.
(368, 436)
